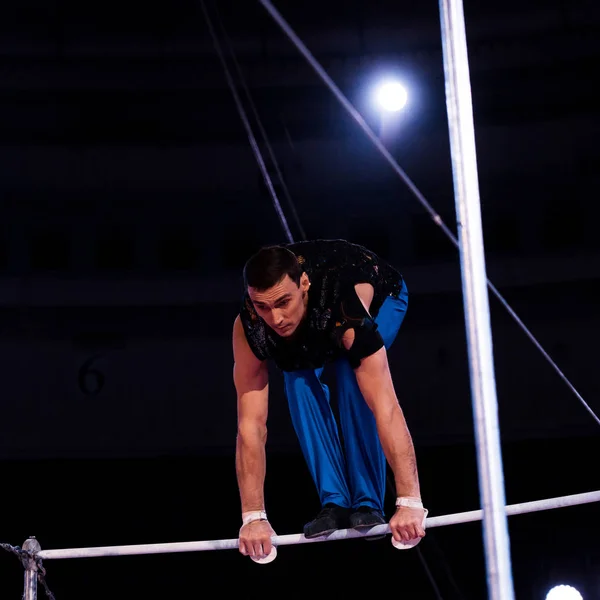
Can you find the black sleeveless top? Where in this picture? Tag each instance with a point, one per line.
(334, 267)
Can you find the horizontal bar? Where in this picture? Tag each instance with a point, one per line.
(298, 538)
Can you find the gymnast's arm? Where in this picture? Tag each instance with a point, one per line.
(251, 380)
(375, 382)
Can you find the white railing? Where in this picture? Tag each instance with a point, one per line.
(33, 566)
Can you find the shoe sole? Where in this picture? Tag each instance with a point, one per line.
(371, 538)
(360, 528)
(320, 534)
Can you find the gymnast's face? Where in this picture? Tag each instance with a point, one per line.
(283, 306)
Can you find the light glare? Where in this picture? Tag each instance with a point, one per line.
(391, 96)
(564, 592)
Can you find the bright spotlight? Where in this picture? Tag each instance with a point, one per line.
(391, 96)
(564, 592)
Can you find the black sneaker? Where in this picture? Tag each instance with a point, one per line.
(331, 518)
(365, 517)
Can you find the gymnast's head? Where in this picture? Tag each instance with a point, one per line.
(278, 288)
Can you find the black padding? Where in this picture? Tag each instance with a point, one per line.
(353, 310)
(367, 340)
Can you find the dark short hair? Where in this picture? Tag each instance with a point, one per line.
(269, 266)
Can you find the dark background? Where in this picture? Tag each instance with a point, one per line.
(129, 201)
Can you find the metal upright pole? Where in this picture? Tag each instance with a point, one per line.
(31, 569)
(475, 299)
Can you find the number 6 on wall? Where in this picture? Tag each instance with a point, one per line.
(91, 381)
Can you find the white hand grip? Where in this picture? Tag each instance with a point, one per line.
(267, 559)
(411, 543)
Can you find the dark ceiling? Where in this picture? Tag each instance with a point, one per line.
(128, 100)
(135, 73)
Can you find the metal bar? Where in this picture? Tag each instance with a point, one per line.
(31, 569)
(475, 300)
(292, 539)
(253, 143)
(261, 129)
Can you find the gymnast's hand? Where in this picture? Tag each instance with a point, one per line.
(255, 539)
(407, 524)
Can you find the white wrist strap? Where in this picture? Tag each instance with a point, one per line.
(409, 502)
(255, 515)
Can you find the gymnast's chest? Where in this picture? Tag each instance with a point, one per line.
(314, 345)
